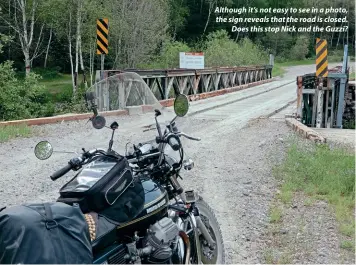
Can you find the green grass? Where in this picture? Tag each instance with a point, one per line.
(60, 88)
(295, 63)
(347, 245)
(275, 214)
(10, 132)
(278, 70)
(268, 256)
(323, 174)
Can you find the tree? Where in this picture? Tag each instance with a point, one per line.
(23, 21)
(77, 25)
(137, 30)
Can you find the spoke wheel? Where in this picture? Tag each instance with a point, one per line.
(208, 255)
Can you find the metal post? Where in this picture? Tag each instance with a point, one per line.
(319, 115)
(332, 84)
(340, 107)
(102, 62)
(271, 59)
(315, 102)
(326, 115)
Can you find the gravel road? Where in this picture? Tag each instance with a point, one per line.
(232, 172)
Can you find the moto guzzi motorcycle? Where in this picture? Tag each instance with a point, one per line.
(148, 217)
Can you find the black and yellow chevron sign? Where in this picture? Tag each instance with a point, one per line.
(102, 32)
(321, 58)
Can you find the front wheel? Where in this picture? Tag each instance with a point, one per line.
(207, 255)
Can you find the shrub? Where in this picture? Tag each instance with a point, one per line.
(47, 73)
(21, 99)
(223, 51)
(300, 49)
(169, 57)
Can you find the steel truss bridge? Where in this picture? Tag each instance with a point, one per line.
(168, 82)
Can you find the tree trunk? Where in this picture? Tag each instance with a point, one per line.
(338, 38)
(27, 60)
(77, 45)
(211, 4)
(71, 66)
(70, 53)
(91, 62)
(82, 64)
(47, 50)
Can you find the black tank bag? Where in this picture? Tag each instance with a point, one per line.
(99, 185)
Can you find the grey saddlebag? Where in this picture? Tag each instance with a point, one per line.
(49, 233)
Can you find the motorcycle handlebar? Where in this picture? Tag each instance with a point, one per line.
(61, 172)
(172, 141)
(189, 137)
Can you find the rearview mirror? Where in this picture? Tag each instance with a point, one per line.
(43, 150)
(181, 105)
(98, 122)
(89, 96)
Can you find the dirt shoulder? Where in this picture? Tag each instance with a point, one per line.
(311, 216)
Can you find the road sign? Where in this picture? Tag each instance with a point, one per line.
(102, 31)
(321, 58)
(191, 60)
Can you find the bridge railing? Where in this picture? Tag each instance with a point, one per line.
(167, 83)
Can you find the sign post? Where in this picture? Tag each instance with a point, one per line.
(102, 43)
(321, 73)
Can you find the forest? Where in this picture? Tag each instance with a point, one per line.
(48, 47)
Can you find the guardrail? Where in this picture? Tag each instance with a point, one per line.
(168, 82)
(322, 104)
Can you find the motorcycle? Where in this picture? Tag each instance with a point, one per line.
(169, 225)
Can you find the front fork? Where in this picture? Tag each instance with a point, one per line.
(191, 212)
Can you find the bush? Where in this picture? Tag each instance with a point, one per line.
(47, 73)
(218, 48)
(21, 99)
(223, 51)
(169, 57)
(300, 49)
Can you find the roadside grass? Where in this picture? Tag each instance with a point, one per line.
(271, 258)
(275, 214)
(278, 70)
(347, 245)
(323, 174)
(10, 132)
(59, 88)
(296, 63)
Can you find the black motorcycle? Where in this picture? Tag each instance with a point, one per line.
(136, 209)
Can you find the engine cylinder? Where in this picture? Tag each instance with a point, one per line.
(160, 237)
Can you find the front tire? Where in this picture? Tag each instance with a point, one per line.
(216, 256)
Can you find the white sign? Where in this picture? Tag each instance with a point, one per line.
(191, 60)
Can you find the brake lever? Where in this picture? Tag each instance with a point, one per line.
(189, 137)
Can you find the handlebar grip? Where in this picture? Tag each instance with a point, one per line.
(173, 142)
(61, 172)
